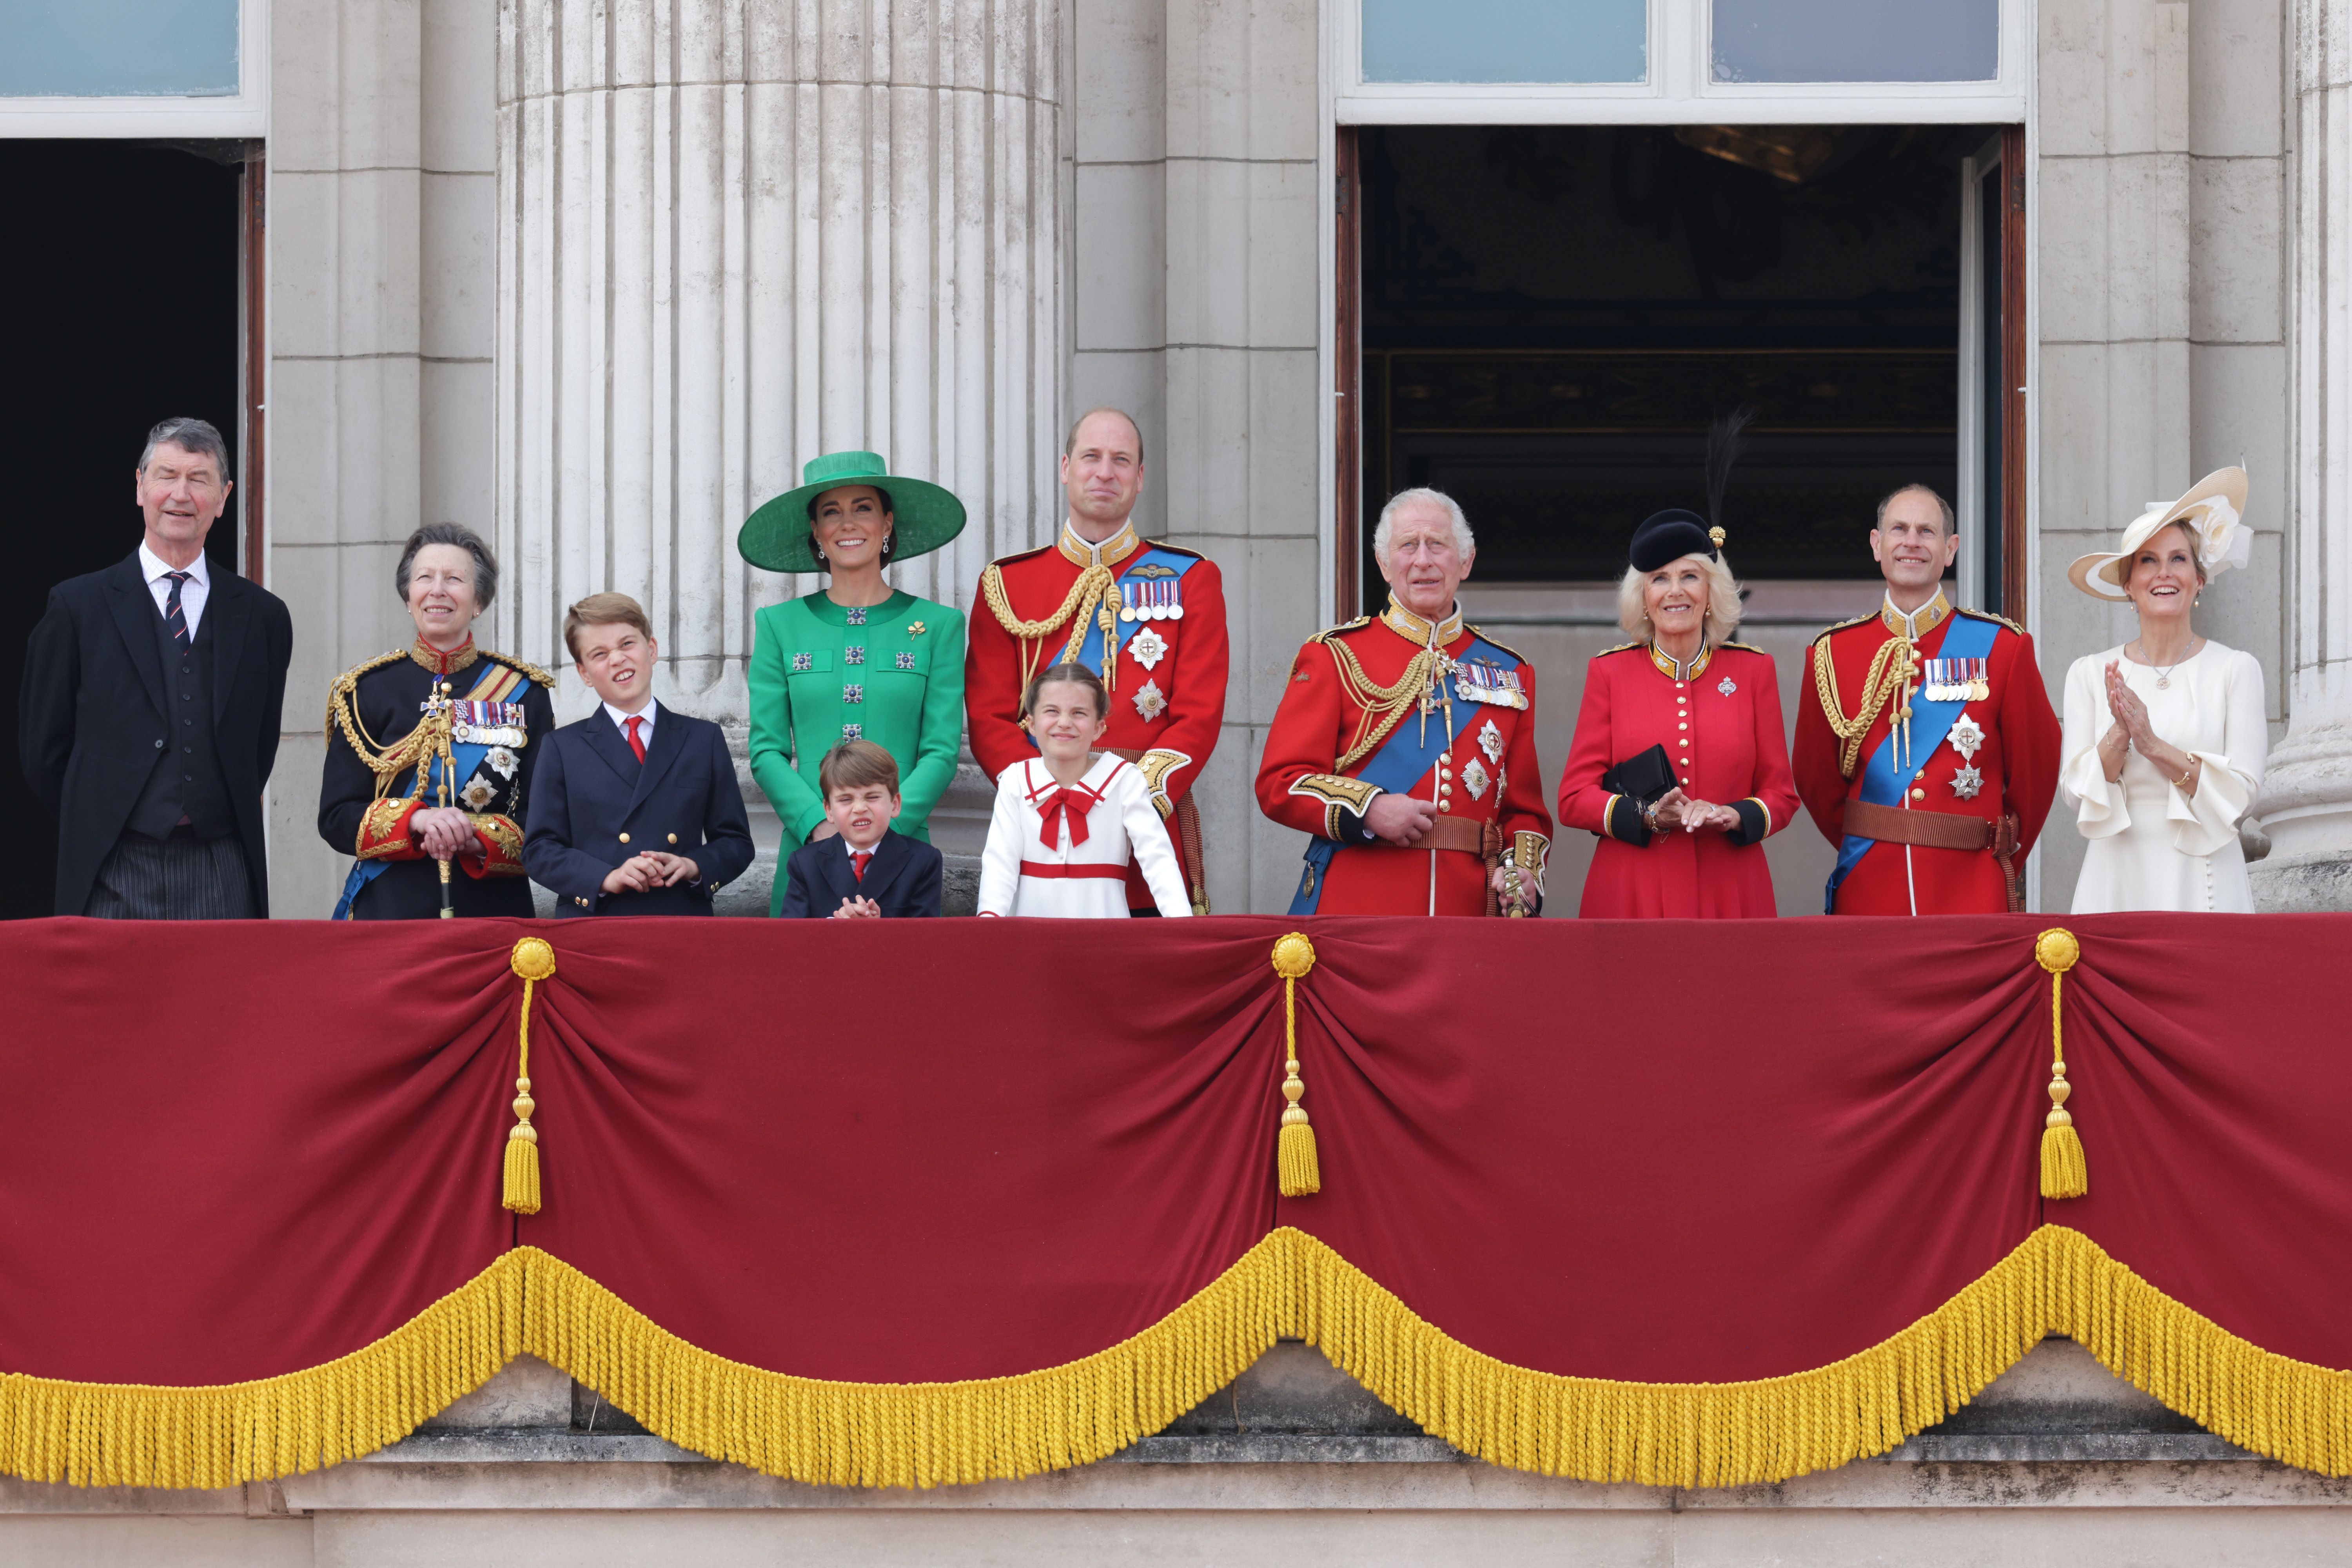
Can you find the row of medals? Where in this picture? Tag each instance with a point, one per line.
(1976, 690)
(1149, 602)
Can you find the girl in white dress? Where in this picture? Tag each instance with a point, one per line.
(1068, 820)
(2165, 739)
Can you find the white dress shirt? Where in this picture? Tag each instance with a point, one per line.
(621, 721)
(193, 593)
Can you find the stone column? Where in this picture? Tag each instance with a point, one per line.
(2307, 800)
(735, 233)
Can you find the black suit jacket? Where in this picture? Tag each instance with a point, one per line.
(904, 878)
(92, 719)
(590, 794)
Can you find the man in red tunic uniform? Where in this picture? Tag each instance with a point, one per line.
(1405, 743)
(1149, 618)
(1926, 747)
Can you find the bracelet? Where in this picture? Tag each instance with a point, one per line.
(2186, 773)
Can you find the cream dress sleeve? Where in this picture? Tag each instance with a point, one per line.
(1008, 832)
(1146, 840)
(2235, 759)
(2100, 811)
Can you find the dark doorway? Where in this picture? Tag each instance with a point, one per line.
(122, 290)
(1552, 316)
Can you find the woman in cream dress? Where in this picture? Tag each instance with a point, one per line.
(2165, 739)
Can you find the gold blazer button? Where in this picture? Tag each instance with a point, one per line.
(673, 838)
(624, 838)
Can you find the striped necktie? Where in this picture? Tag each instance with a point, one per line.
(176, 617)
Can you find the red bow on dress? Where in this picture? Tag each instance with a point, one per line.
(1070, 803)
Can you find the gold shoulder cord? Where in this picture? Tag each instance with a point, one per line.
(386, 762)
(1085, 601)
(1382, 705)
(1890, 674)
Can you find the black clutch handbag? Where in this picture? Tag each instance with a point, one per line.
(1642, 778)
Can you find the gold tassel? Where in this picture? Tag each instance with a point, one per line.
(2064, 1173)
(1294, 1160)
(534, 961)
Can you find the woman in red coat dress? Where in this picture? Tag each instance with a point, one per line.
(1694, 848)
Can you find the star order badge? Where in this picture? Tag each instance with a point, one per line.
(1967, 781)
(1150, 701)
(1728, 686)
(1965, 737)
(1148, 646)
(1475, 779)
(1490, 741)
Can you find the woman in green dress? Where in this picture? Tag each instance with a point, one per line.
(859, 660)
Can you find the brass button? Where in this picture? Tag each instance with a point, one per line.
(624, 838)
(1682, 726)
(1918, 794)
(673, 838)
(1446, 805)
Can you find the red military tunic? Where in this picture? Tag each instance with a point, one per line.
(2012, 741)
(1337, 745)
(1720, 721)
(1166, 613)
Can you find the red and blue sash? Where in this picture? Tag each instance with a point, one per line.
(1931, 719)
(1402, 761)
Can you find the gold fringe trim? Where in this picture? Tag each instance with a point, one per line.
(1288, 1285)
(141, 1435)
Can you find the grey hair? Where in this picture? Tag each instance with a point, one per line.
(1464, 541)
(1723, 604)
(1943, 507)
(1070, 442)
(486, 565)
(190, 435)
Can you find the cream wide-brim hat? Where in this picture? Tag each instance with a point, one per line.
(2215, 510)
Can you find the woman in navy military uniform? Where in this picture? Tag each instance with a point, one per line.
(429, 752)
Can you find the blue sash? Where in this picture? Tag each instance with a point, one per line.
(466, 755)
(1090, 651)
(1402, 761)
(1882, 782)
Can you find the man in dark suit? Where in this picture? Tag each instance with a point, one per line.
(862, 870)
(151, 706)
(635, 810)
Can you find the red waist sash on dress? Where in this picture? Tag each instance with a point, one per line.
(1046, 869)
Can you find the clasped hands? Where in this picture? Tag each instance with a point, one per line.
(1675, 809)
(444, 833)
(648, 869)
(2131, 732)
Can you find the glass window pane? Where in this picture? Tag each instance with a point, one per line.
(1506, 40)
(1857, 40)
(116, 49)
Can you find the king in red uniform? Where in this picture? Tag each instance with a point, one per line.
(1927, 750)
(1149, 618)
(1405, 743)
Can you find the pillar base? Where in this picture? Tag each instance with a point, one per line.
(2306, 812)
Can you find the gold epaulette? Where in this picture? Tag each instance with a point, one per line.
(338, 691)
(1327, 633)
(1171, 549)
(1988, 616)
(1475, 632)
(384, 763)
(1842, 625)
(1743, 647)
(1620, 648)
(531, 671)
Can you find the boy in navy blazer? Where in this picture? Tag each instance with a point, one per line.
(635, 809)
(861, 871)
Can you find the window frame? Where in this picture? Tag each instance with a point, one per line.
(242, 115)
(1680, 89)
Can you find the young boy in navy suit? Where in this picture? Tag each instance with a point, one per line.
(862, 870)
(635, 809)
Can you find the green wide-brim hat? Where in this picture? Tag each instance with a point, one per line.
(923, 516)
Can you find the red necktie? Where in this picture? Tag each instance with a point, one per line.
(857, 859)
(636, 741)
(1070, 805)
